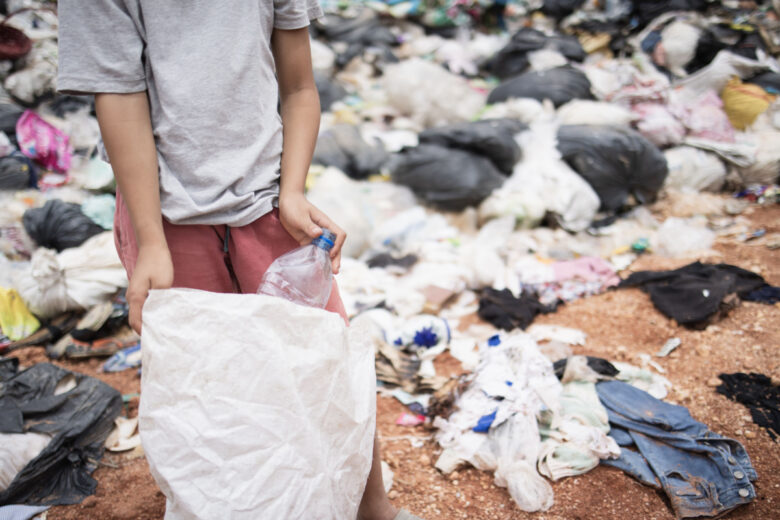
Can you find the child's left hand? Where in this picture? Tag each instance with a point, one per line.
(304, 222)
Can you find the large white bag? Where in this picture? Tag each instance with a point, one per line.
(253, 407)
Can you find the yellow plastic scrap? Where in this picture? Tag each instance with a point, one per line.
(16, 320)
(743, 103)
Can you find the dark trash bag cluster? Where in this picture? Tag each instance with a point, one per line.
(79, 421)
(506, 312)
(560, 85)
(616, 162)
(59, 225)
(343, 147)
(513, 58)
(17, 172)
(491, 138)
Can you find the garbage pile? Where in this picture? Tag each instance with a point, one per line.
(487, 159)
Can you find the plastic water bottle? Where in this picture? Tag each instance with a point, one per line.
(304, 275)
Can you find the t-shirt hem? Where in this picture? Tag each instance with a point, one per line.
(300, 21)
(234, 221)
(77, 85)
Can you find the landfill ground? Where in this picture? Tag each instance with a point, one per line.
(620, 325)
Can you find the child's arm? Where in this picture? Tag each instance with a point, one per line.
(301, 121)
(127, 134)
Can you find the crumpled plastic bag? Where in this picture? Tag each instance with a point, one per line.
(560, 85)
(743, 103)
(615, 161)
(694, 169)
(448, 178)
(43, 143)
(343, 147)
(59, 225)
(513, 59)
(248, 414)
(586, 112)
(493, 138)
(77, 278)
(16, 321)
(425, 92)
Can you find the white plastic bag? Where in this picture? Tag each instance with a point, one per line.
(695, 169)
(77, 278)
(255, 407)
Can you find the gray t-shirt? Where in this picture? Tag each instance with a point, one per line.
(213, 93)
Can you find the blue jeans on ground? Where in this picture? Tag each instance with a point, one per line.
(703, 473)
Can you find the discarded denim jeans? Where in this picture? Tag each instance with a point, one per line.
(702, 473)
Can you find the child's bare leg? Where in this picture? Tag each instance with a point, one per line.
(375, 505)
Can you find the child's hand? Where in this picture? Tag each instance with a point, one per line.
(304, 222)
(153, 270)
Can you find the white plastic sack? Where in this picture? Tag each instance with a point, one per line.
(425, 92)
(77, 278)
(695, 169)
(587, 112)
(678, 237)
(255, 407)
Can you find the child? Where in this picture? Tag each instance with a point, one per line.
(210, 177)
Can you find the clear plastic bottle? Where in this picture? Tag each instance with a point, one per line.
(304, 275)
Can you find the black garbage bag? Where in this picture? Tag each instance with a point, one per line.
(513, 58)
(447, 178)
(79, 421)
(329, 90)
(59, 225)
(9, 115)
(648, 10)
(560, 85)
(63, 105)
(343, 147)
(717, 37)
(364, 31)
(616, 162)
(600, 366)
(561, 8)
(493, 138)
(17, 172)
(769, 81)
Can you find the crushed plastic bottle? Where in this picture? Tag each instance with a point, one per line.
(304, 275)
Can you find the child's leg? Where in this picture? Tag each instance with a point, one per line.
(196, 252)
(254, 247)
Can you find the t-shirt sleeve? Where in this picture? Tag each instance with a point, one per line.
(100, 48)
(295, 14)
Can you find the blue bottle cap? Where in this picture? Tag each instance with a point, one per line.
(326, 240)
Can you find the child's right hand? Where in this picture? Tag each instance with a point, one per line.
(153, 270)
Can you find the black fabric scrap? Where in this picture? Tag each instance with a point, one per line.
(693, 294)
(757, 393)
(506, 312)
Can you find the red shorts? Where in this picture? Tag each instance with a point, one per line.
(205, 258)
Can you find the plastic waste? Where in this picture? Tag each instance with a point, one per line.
(560, 85)
(39, 77)
(616, 162)
(328, 89)
(677, 237)
(16, 321)
(586, 112)
(658, 125)
(694, 169)
(17, 172)
(769, 81)
(43, 143)
(424, 92)
(447, 178)
(561, 8)
(343, 147)
(100, 208)
(765, 168)
(78, 412)
(77, 278)
(513, 59)
(303, 275)
(299, 386)
(492, 138)
(59, 225)
(743, 103)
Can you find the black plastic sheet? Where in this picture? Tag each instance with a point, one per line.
(560, 85)
(59, 225)
(79, 420)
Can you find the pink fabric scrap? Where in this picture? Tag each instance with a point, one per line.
(588, 269)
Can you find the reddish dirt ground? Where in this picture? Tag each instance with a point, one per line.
(620, 325)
